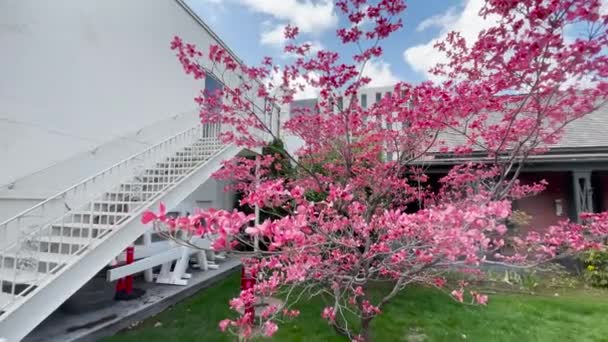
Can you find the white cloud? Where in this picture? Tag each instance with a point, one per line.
(468, 22)
(308, 16)
(442, 21)
(380, 73)
(273, 36)
(309, 92)
(315, 46)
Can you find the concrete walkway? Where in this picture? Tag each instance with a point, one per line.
(92, 326)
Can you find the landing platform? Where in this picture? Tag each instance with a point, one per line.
(93, 325)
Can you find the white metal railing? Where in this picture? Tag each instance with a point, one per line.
(21, 235)
(133, 183)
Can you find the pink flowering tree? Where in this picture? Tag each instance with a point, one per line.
(339, 222)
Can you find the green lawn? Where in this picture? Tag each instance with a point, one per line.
(418, 314)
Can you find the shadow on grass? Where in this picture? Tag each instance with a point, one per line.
(418, 314)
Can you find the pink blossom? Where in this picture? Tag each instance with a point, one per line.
(291, 31)
(329, 314)
(458, 294)
(270, 328)
(224, 324)
(479, 298)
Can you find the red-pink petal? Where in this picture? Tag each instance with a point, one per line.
(148, 217)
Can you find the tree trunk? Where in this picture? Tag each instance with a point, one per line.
(366, 331)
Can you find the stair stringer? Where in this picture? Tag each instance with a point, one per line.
(41, 302)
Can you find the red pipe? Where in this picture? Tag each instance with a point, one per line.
(126, 284)
(129, 278)
(247, 282)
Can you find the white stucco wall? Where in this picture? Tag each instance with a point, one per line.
(79, 73)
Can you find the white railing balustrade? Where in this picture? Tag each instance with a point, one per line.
(38, 242)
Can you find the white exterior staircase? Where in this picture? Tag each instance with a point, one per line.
(51, 250)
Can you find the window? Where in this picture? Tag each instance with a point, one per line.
(364, 100)
(378, 97)
(388, 94)
(213, 87)
(340, 103)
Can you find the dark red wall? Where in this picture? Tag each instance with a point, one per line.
(542, 206)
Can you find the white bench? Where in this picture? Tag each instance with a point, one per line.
(165, 254)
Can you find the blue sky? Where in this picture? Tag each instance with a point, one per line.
(252, 28)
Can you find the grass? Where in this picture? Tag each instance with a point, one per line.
(418, 314)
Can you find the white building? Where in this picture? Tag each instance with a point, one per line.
(92, 100)
(366, 97)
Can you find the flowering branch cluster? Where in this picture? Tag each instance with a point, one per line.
(347, 220)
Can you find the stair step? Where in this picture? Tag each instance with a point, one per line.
(194, 158)
(111, 202)
(83, 225)
(65, 240)
(45, 261)
(99, 217)
(119, 204)
(81, 230)
(159, 179)
(178, 164)
(119, 208)
(128, 198)
(130, 193)
(20, 276)
(113, 206)
(143, 185)
(166, 172)
(6, 298)
(42, 256)
(125, 197)
(158, 187)
(170, 168)
(208, 142)
(196, 152)
(193, 153)
(98, 213)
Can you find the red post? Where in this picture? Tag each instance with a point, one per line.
(129, 279)
(247, 282)
(126, 284)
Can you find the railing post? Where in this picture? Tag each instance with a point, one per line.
(2, 259)
(15, 262)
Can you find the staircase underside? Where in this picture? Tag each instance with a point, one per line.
(104, 243)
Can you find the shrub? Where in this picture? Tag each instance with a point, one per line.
(596, 268)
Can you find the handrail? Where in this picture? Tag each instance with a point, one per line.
(123, 161)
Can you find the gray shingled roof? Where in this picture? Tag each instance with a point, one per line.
(591, 131)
